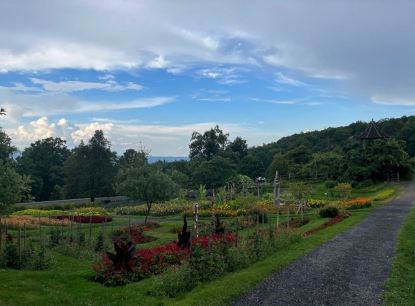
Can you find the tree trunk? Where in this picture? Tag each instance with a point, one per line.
(148, 211)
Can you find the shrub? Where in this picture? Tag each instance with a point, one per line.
(329, 212)
(175, 281)
(258, 213)
(314, 203)
(330, 184)
(29, 258)
(133, 233)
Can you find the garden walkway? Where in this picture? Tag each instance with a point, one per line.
(350, 269)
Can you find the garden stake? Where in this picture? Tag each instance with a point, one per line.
(24, 236)
(19, 246)
(1, 233)
(70, 219)
(90, 230)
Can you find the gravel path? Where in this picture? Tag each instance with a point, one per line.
(350, 269)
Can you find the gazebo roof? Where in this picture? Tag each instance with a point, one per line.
(372, 132)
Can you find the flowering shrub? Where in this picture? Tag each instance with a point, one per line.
(314, 203)
(155, 260)
(357, 203)
(14, 222)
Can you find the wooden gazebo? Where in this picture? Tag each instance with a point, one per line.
(372, 132)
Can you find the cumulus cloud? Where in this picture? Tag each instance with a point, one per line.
(161, 139)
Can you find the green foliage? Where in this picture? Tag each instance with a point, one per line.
(90, 170)
(30, 258)
(343, 190)
(13, 187)
(329, 212)
(384, 194)
(214, 172)
(175, 281)
(43, 161)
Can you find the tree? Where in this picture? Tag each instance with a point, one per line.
(140, 182)
(280, 163)
(214, 173)
(253, 166)
(209, 144)
(76, 173)
(237, 149)
(13, 187)
(91, 169)
(6, 148)
(43, 161)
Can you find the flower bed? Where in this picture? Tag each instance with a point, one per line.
(315, 203)
(37, 212)
(357, 203)
(152, 261)
(30, 222)
(85, 219)
(173, 207)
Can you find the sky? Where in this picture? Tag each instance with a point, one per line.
(149, 73)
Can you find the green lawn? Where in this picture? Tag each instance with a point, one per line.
(400, 287)
(68, 283)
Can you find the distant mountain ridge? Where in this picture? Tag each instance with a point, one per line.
(153, 159)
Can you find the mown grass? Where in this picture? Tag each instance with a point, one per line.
(400, 287)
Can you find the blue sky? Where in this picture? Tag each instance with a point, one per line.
(152, 73)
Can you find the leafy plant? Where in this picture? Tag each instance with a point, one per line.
(184, 236)
(329, 212)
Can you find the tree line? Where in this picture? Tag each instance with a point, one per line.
(49, 170)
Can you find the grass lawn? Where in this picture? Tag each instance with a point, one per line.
(68, 283)
(400, 287)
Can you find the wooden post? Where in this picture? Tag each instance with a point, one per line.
(24, 236)
(90, 230)
(1, 233)
(19, 246)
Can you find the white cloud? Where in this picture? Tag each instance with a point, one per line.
(225, 76)
(285, 80)
(161, 139)
(283, 102)
(324, 39)
(71, 86)
(20, 104)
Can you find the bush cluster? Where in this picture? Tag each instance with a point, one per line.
(30, 258)
(220, 257)
(329, 212)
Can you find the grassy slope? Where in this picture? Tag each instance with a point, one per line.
(400, 287)
(68, 283)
